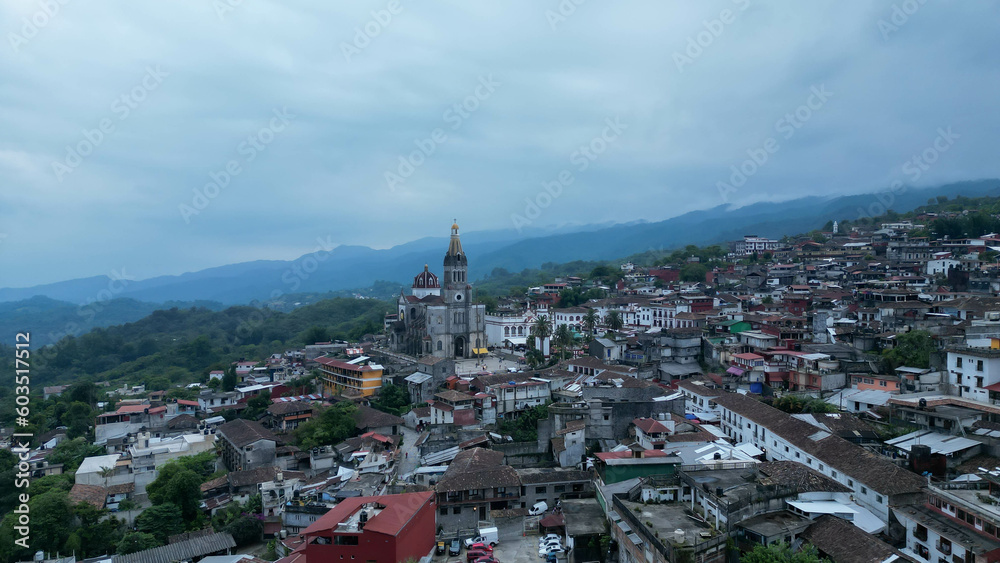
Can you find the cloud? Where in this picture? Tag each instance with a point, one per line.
(325, 172)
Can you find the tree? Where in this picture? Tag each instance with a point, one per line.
(781, 552)
(161, 521)
(912, 349)
(178, 486)
(564, 338)
(246, 529)
(693, 272)
(229, 379)
(614, 320)
(332, 426)
(590, 320)
(315, 334)
(136, 541)
(393, 399)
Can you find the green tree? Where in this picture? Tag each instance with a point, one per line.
(912, 349)
(393, 399)
(781, 552)
(178, 486)
(693, 272)
(229, 379)
(564, 338)
(614, 321)
(315, 334)
(161, 521)
(246, 529)
(136, 541)
(590, 320)
(332, 426)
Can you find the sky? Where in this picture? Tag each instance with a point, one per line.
(161, 138)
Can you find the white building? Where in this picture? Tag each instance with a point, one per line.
(972, 370)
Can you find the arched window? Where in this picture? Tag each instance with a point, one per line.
(506, 331)
(440, 346)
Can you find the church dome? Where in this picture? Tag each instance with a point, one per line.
(425, 280)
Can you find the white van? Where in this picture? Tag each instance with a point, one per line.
(539, 508)
(488, 536)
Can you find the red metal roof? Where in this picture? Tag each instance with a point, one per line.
(342, 364)
(398, 511)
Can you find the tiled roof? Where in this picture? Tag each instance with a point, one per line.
(91, 494)
(846, 543)
(242, 432)
(477, 468)
(279, 409)
(367, 417)
(871, 469)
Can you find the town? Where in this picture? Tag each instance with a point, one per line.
(835, 394)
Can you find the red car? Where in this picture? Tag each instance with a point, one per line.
(480, 546)
(474, 554)
(486, 560)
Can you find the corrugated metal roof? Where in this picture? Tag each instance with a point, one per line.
(181, 551)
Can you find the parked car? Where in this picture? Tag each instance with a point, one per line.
(486, 560)
(479, 547)
(556, 550)
(441, 547)
(549, 538)
(474, 554)
(455, 548)
(539, 508)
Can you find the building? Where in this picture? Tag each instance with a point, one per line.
(441, 319)
(476, 482)
(975, 373)
(551, 485)
(876, 481)
(372, 529)
(753, 244)
(355, 378)
(453, 407)
(246, 445)
(288, 415)
(960, 523)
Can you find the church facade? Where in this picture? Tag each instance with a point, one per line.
(438, 318)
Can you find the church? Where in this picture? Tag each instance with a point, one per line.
(440, 319)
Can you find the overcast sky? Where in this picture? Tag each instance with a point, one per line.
(501, 94)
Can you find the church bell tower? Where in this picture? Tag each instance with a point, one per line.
(455, 284)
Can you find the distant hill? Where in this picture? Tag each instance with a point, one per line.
(348, 267)
(50, 319)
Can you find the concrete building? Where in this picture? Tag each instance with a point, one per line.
(246, 445)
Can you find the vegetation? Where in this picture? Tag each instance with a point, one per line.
(794, 404)
(332, 426)
(912, 349)
(524, 428)
(781, 552)
(393, 399)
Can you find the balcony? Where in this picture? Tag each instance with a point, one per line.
(944, 547)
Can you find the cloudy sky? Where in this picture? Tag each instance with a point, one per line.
(118, 122)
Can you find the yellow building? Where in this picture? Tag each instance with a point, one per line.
(355, 377)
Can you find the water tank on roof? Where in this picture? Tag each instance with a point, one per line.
(679, 535)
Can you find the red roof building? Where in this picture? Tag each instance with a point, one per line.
(379, 529)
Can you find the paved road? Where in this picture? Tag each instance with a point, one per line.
(409, 458)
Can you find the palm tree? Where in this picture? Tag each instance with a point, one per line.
(614, 321)
(590, 321)
(564, 337)
(542, 329)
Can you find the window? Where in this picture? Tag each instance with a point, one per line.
(833, 474)
(443, 511)
(560, 488)
(979, 365)
(958, 362)
(796, 455)
(440, 345)
(878, 499)
(850, 483)
(541, 490)
(864, 490)
(457, 510)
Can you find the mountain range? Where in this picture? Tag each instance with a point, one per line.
(347, 267)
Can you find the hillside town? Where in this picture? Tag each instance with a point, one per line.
(836, 393)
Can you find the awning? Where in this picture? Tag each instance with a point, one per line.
(733, 370)
(480, 351)
(775, 378)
